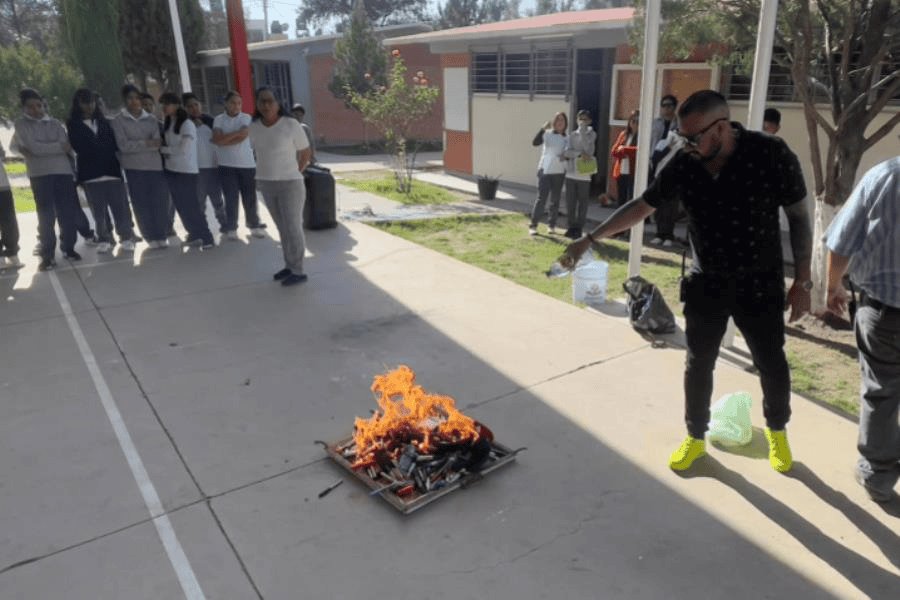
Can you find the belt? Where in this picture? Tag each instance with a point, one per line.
(866, 300)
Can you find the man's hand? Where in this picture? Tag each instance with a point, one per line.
(838, 298)
(798, 300)
(574, 251)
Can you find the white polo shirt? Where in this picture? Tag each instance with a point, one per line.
(237, 155)
(206, 151)
(183, 147)
(276, 148)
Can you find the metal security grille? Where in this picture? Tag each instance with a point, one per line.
(277, 76)
(536, 72)
(216, 84)
(553, 72)
(486, 72)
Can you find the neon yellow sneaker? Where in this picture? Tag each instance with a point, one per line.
(690, 450)
(779, 450)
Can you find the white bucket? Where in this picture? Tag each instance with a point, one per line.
(589, 283)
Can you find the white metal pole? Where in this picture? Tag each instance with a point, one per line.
(179, 47)
(759, 87)
(648, 101)
(765, 39)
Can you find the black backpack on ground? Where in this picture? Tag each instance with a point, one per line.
(320, 210)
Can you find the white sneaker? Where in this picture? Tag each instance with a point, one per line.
(128, 246)
(667, 244)
(258, 232)
(551, 230)
(656, 241)
(14, 262)
(532, 231)
(232, 235)
(193, 243)
(103, 248)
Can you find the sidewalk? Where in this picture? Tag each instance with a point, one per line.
(224, 381)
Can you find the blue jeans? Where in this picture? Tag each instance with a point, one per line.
(150, 200)
(239, 181)
(53, 198)
(105, 197)
(183, 188)
(209, 185)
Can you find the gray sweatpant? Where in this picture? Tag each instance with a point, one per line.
(878, 338)
(285, 200)
(577, 197)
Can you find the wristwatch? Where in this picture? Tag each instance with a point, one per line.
(806, 285)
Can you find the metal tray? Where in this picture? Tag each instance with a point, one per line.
(416, 501)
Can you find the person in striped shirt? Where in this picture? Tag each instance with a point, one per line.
(864, 239)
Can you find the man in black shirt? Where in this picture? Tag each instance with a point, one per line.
(731, 183)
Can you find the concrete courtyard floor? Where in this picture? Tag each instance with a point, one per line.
(186, 386)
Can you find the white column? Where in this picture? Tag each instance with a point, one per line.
(759, 87)
(648, 102)
(179, 47)
(765, 38)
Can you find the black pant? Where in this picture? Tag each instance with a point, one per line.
(183, 191)
(757, 305)
(9, 226)
(55, 198)
(239, 183)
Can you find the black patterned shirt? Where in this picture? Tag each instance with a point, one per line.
(733, 218)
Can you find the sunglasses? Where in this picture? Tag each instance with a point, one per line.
(694, 140)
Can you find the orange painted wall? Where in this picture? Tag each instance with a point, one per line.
(335, 124)
(458, 151)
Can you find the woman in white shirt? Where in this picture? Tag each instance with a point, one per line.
(237, 167)
(282, 153)
(182, 171)
(551, 170)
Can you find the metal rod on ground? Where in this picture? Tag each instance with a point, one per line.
(648, 101)
(179, 47)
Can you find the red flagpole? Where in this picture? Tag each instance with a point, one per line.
(240, 57)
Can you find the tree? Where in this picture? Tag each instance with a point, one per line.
(360, 61)
(148, 45)
(544, 7)
(277, 28)
(838, 53)
(397, 110)
(462, 13)
(590, 4)
(29, 21)
(52, 75)
(379, 12)
(91, 29)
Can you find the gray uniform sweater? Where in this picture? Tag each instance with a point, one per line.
(44, 144)
(131, 138)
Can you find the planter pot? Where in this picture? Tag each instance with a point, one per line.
(487, 189)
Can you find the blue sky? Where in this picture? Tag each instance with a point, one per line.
(286, 10)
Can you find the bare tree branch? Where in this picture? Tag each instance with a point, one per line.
(881, 132)
(884, 96)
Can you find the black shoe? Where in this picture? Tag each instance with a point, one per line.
(573, 233)
(294, 279)
(46, 264)
(281, 274)
(72, 255)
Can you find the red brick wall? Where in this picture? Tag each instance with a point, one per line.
(335, 124)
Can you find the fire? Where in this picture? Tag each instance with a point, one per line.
(409, 414)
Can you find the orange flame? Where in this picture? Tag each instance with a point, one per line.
(408, 412)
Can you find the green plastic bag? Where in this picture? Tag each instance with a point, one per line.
(586, 166)
(729, 422)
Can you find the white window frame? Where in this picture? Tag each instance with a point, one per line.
(714, 75)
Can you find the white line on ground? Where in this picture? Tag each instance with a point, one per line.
(175, 552)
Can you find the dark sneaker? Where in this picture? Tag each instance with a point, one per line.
(72, 255)
(879, 485)
(46, 264)
(294, 279)
(281, 274)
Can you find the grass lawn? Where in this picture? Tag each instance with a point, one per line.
(385, 185)
(23, 199)
(15, 168)
(501, 245)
